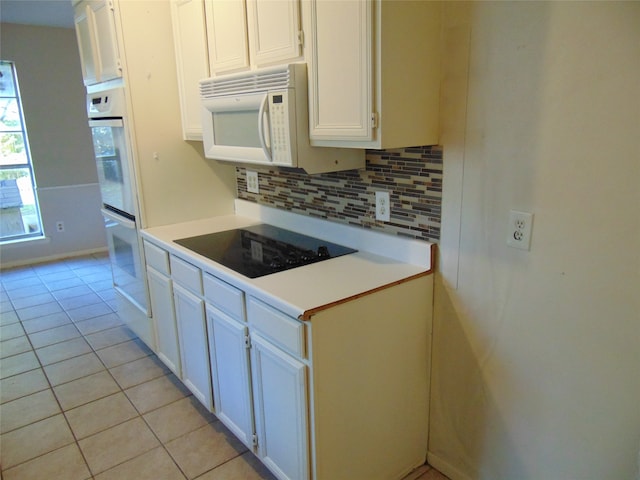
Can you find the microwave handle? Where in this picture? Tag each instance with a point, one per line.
(261, 126)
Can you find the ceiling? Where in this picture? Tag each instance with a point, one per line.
(51, 13)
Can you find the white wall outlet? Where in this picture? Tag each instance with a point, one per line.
(519, 231)
(383, 207)
(59, 226)
(252, 182)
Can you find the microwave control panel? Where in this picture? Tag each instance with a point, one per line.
(281, 128)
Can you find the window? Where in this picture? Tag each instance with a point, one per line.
(19, 212)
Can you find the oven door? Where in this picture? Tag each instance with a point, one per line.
(125, 253)
(115, 175)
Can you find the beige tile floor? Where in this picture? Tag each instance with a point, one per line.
(82, 398)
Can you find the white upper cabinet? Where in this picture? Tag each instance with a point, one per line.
(374, 73)
(227, 35)
(274, 31)
(97, 42)
(242, 34)
(192, 63)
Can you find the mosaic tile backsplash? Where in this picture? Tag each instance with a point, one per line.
(412, 176)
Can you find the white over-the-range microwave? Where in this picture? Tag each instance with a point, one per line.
(261, 117)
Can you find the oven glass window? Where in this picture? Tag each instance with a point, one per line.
(124, 255)
(113, 176)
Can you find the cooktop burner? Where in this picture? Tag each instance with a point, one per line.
(262, 249)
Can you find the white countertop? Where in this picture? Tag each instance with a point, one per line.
(301, 291)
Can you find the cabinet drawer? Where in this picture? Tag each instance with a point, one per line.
(226, 297)
(282, 330)
(187, 275)
(156, 257)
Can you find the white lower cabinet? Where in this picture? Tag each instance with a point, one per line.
(230, 371)
(305, 396)
(280, 406)
(260, 380)
(161, 293)
(194, 349)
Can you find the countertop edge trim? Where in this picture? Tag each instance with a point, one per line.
(307, 314)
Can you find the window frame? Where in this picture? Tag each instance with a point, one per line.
(39, 233)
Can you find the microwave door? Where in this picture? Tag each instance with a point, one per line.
(234, 128)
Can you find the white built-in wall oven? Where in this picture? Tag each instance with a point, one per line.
(116, 176)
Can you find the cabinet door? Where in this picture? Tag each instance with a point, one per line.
(341, 71)
(194, 350)
(231, 374)
(106, 42)
(274, 31)
(280, 405)
(97, 43)
(86, 44)
(227, 35)
(190, 39)
(161, 293)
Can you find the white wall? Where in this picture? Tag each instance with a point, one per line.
(53, 98)
(537, 354)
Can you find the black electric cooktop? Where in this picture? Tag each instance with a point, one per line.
(262, 249)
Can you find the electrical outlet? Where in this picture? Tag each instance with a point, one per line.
(252, 182)
(519, 232)
(383, 206)
(59, 226)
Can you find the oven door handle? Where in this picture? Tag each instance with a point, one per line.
(118, 220)
(112, 122)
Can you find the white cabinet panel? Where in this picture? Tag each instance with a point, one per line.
(190, 41)
(97, 42)
(273, 31)
(374, 73)
(107, 46)
(280, 399)
(86, 44)
(243, 34)
(231, 373)
(161, 293)
(227, 35)
(340, 77)
(194, 350)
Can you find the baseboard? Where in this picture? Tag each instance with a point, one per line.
(445, 467)
(52, 258)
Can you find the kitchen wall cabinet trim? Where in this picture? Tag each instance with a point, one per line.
(378, 85)
(192, 63)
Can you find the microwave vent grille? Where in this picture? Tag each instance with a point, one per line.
(249, 82)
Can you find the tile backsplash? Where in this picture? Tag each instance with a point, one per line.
(412, 176)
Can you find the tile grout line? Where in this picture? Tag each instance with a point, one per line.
(121, 389)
